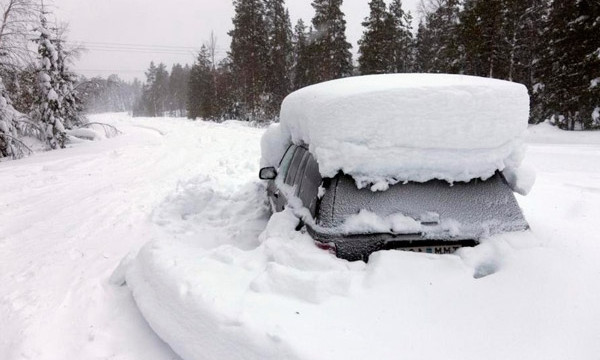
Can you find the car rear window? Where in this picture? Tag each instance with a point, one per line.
(476, 205)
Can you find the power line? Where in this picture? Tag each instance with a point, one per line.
(140, 51)
(111, 70)
(94, 44)
(137, 45)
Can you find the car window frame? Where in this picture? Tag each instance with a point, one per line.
(312, 205)
(284, 165)
(293, 168)
(300, 172)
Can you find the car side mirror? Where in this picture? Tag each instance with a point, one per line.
(268, 173)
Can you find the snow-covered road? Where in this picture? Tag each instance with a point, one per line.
(68, 217)
(212, 288)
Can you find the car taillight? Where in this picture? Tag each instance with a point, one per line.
(329, 246)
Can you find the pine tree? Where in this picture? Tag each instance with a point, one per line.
(302, 62)
(8, 125)
(146, 105)
(250, 55)
(178, 89)
(438, 48)
(22, 86)
(524, 22)
(201, 99)
(572, 70)
(48, 110)
(227, 105)
(155, 94)
(484, 38)
(160, 90)
(591, 66)
(424, 49)
(332, 57)
(376, 51)
(280, 54)
(402, 42)
(71, 105)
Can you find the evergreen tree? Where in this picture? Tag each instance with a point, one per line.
(424, 49)
(376, 50)
(155, 94)
(302, 62)
(250, 55)
(201, 95)
(438, 48)
(71, 105)
(571, 74)
(22, 86)
(485, 39)
(280, 54)
(524, 22)
(331, 56)
(48, 110)
(160, 90)
(8, 125)
(147, 103)
(227, 105)
(402, 42)
(178, 89)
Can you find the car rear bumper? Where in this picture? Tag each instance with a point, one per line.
(359, 247)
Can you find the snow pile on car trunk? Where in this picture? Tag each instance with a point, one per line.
(383, 129)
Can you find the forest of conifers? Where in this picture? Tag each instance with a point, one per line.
(552, 47)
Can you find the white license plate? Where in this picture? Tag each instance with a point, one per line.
(450, 249)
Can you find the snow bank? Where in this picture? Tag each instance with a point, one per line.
(86, 134)
(286, 299)
(409, 127)
(215, 303)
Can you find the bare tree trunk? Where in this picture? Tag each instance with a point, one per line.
(212, 49)
(513, 46)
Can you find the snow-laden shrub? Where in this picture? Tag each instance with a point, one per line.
(10, 145)
(48, 111)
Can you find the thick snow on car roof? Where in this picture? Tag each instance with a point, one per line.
(384, 129)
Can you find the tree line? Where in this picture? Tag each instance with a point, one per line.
(552, 47)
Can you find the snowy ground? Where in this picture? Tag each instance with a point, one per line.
(213, 285)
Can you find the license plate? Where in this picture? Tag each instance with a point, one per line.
(450, 249)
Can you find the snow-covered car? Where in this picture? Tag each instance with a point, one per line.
(354, 222)
(418, 162)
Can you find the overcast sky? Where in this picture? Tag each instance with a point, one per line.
(123, 36)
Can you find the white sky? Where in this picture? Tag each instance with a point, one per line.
(181, 26)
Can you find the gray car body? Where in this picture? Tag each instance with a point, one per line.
(478, 208)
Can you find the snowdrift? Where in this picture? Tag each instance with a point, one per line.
(287, 299)
(406, 127)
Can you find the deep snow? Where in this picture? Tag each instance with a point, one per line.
(213, 287)
(392, 128)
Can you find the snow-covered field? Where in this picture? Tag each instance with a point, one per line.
(213, 285)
